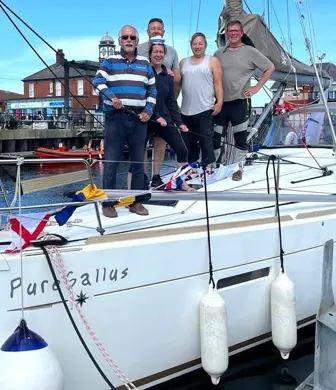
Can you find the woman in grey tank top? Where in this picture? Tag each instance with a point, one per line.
(202, 99)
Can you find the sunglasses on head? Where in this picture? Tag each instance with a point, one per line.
(131, 37)
(155, 20)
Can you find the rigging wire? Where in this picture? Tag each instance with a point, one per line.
(262, 154)
(211, 279)
(21, 240)
(62, 241)
(311, 31)
(308, 45)
(172, 18)
(276, 181)
(198, 14)
(301, 140)
(279, 24)
(264, 11)
(2, 5)
(289, 29)
(190, 21)
(312, 23)
(202, 218)
(247, 6)
(268, 91)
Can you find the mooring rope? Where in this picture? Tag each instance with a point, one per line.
(273, 159)
(48, 244)
(211, 279)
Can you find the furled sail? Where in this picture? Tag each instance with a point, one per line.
(257, 31)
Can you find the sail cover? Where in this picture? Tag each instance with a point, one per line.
(257, 31)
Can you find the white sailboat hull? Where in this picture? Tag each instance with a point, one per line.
(144, 287)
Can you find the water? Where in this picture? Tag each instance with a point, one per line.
(260, 368)
(56, 194)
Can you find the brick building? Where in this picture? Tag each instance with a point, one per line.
(307, 94)
(5, 96)
(45, 95)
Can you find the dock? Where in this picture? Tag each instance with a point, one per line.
(24, 140)
(324, 375)
(308, 384)
(14, 156)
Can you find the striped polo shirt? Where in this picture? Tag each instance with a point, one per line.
(131, 82)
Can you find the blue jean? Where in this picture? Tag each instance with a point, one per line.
(119, 128)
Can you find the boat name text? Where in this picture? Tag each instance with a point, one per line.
(85, 279)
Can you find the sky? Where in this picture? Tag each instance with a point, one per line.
(76, 26)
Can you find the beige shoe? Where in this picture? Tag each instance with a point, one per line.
(237, 176)
(138, 208)
(110, 212)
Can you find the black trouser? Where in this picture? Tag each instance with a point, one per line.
(173, 137)
(235, 112)
(200, 136)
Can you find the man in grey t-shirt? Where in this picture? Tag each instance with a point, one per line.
(171, 60)
(239, 63)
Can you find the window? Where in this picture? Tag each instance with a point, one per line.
(31, 90)
(80, 87)
(58, 88)
(51, 87)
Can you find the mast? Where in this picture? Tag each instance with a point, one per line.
(324, 100)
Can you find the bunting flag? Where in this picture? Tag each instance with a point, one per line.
(195, 175)
(30, 226)
(186, 172)
(129, 200)
(90, 192)
(285, 107)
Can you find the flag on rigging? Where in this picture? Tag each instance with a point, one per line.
(90, 192)
(30, 226)
(187, 171)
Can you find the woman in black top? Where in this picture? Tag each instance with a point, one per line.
(166, 112)
(166, 121)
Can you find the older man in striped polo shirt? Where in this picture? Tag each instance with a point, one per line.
(128, 84)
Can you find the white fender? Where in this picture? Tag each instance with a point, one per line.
(283, 313)
(28, 363)
(213, 331)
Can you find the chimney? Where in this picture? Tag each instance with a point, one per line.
(60, 57)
